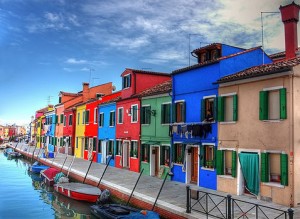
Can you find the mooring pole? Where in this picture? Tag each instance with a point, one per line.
(89, 168)
(135, 186)
(104, 171)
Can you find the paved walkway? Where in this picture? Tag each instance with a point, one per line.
(172, 197)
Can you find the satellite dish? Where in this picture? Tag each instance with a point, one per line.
(113, 87)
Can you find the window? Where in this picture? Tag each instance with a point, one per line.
(99, 146)
(208, 109)
(228, 108)
(165, 155)
(50, 120)
(272, 104)
(145, 115)
(56, 119)
(83, 117)
(94, 144)
(180, 112)
(166, 113)
(126, 81)
(120, 115)
(134, 113)
(70, 119)
(87, 117)
(61, 118)
(78, 118)
(112, 116)
(178, 153)
(119, 147)
(59, 99)
(274, 168)
(95, 115)
(76, 142)
(86, 143)
(226, 162)
(110, 147)
(145, 152)
(101, 119)
(134, 149)
(65, 120)
(207, 153)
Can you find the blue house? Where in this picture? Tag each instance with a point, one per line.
(50, 131)
(107, 133)
(196, 107)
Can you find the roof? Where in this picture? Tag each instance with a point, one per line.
(146, 72)
(210, 62)
(281, 54)
(70, 94)
(261, 70)
(157, 89)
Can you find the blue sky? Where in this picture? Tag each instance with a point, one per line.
(47, 46)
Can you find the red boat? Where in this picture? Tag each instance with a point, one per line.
(49, 175)
(78, 191)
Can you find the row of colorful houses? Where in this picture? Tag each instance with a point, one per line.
(12, 131)
(227, 123)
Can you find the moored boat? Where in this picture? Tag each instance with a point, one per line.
(48, 175)
(78, 191)
(118, 211)
(37, 167)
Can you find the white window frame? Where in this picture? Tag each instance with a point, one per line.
(132, 113)
(122, 109)
(95, 115)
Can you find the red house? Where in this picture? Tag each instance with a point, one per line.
(91, 128)
(128, 115)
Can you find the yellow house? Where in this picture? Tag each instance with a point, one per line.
(39, 132)
(79, 131)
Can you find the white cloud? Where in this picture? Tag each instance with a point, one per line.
(52, 17)
(75, 61)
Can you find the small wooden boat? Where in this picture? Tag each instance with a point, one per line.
(118, 211)
(48, 175)
(78, 191)
(37, 167)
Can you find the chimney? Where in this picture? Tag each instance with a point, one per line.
(85, 91)
(290, 17)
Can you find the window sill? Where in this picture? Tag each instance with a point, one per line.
(275, 120)
(226, 176)
(229, 122)
(209, 169)
(273, 184)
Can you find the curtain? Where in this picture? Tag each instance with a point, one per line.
(250, 170)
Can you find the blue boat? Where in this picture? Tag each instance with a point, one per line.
(118, 211)
(37, 167)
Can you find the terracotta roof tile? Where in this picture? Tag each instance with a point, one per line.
(147, 72)
(261, 70)
(158, 89)
(210, 62)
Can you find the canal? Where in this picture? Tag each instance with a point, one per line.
(23, 195)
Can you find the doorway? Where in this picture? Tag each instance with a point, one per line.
(194, 165)
(126, 154)
(154, 161)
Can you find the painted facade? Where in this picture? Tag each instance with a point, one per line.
(155, 136)
(80, 139)
(69, 130)
(49, 127)
(59, 128)
(195, 109)
(128, 115)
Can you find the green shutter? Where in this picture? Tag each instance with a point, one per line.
(220, 109)
(183, 111)
(202, 155)
(264, 167)
(143, 115)
(220, 162)
(235, 108)
(162, 155)
(215, 110)
(283, 113)
(263, 105)
(202, 109)
(233, 164)
(173, 112)
(284, 169)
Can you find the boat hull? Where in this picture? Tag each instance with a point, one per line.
(78, 191)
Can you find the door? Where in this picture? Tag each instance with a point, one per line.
(250, 171)
(82, 147)
(126, 154)
(90, 149)
(194, 165)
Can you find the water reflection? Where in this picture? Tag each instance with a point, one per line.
(59, 205)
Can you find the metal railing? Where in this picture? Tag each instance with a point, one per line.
(226, 207)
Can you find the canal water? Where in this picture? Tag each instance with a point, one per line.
(23, 195)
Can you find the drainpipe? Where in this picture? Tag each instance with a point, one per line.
(291, 145)
(171, 94)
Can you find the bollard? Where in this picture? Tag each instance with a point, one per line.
(229, 206)
(291, 213)
(188, 199)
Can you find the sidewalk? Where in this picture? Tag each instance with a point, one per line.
(172, 197)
